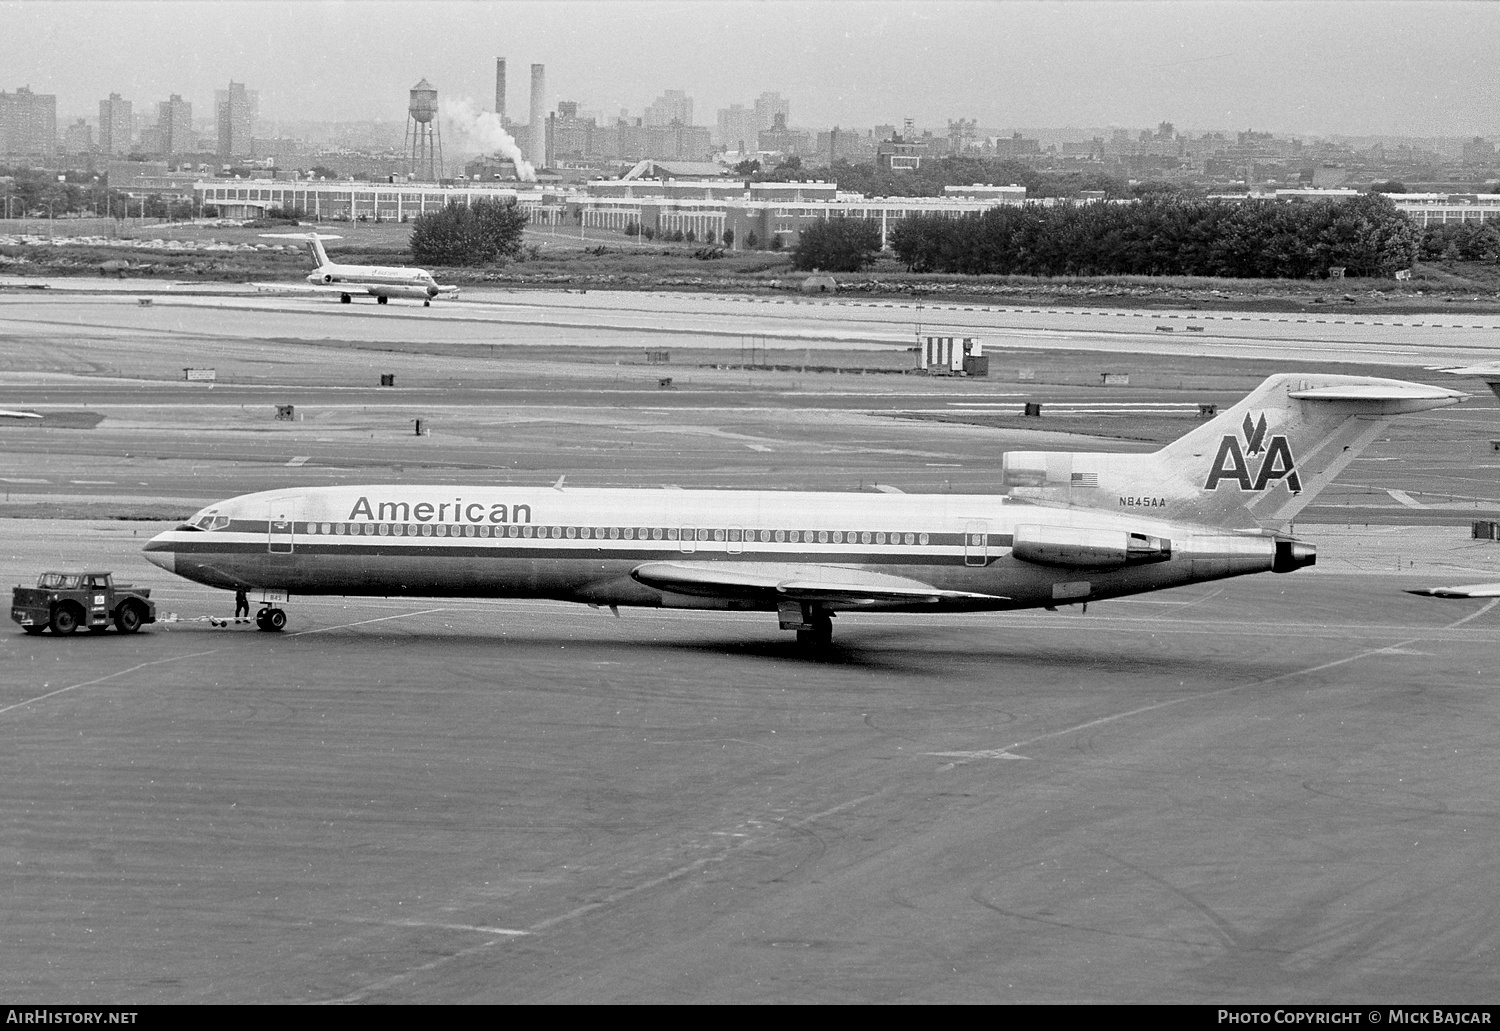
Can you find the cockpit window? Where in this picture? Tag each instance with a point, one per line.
(209, 520)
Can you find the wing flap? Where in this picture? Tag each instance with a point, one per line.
(771, 581)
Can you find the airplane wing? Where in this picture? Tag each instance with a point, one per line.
(773, 581)
(1461, 591)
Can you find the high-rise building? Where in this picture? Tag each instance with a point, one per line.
(767, 107)
(78, 138)
(234, 111)
(536, 131)
(672, 106)
(500, 88)
(116, 125)
(28, 123)
(738, 129)
(174, 117)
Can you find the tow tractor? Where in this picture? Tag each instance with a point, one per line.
(66, 601)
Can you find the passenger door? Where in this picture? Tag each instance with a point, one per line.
(281, 526)
(976, 542)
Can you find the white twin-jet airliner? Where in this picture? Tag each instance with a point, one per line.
(1068, 528)
(378, 281)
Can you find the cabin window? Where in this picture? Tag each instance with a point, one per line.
(864, 538)
(583, 532)
(384, 529)
(923, 538)
(511, 531)
(469, 530)
(719, 535)
(671, 533)
(572, 532)
(614, 533)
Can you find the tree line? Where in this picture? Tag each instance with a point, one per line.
(1166, 236)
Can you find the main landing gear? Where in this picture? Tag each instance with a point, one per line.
(818, 636)
(345, 299)
(381, 299)
(813, 623)
(270, 619)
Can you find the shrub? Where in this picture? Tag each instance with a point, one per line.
(476, 234)
(837, 245)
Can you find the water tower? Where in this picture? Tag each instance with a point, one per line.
(424, 143)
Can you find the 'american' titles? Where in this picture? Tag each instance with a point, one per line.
(426, 512)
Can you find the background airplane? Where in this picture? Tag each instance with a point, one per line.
(378, 281)
(1072, 528)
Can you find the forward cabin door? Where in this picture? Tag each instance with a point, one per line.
(976, 542)
(281, 524)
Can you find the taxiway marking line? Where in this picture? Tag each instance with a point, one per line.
(362, 622)
(109, 676)
(359, 995)
(1005, 752)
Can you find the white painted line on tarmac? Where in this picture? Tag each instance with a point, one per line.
(1388, 649)
(362, 622)
(107, 676)
(298, 460)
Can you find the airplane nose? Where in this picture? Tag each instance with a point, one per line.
(432, 290)
(159, 553)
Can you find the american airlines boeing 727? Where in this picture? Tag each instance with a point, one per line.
(1070, 528)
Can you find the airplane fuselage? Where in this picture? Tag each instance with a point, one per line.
(600, 546)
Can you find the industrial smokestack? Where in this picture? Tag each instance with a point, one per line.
(500, 88)
(536, 134)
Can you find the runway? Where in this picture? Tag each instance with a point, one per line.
(1277, 787)
(721, 321)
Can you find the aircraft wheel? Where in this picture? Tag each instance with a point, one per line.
(64, 620)
(345, 299)
(427, 304)
(381, 300)
(275, 620)
(818, 636)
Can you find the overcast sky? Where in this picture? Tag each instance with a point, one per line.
(1357, 68)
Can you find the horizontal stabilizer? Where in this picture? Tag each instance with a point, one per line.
(773, 581)
(1461, 591)
(1387, 397)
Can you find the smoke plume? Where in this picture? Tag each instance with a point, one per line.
(481, 132)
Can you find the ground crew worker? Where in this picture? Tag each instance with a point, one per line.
(241, 606)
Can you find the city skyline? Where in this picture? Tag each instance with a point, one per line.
(1338, 68)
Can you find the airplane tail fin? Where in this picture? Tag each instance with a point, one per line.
(1257, 464)
(314, 243)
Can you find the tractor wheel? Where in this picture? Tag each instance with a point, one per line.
(64, 620)
(128, 618)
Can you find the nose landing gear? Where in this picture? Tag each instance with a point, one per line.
(270, 619)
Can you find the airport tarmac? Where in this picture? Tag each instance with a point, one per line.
(1270, 788)
(1276, 787)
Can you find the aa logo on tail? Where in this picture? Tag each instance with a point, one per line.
(1232, 462)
